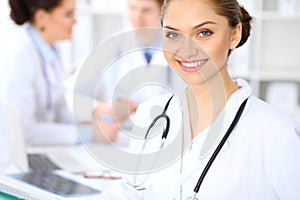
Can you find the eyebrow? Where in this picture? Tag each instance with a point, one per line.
(195, 27)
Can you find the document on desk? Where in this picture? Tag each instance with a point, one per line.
(47, 186)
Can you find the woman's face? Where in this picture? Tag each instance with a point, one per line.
(144, 13)
(196, 40)
(59, 22)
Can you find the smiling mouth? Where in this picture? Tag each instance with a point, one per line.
(191, 66)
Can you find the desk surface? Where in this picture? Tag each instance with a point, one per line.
(83, 157)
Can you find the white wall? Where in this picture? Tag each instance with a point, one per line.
(6, 26)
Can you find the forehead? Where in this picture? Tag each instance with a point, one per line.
(142, 2)
(187, 11)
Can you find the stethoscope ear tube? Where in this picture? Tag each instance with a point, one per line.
(162, 115)
(167, 104)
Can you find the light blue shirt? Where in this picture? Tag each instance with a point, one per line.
(47, 53)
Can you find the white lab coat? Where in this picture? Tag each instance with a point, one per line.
(5, 158)
(25, 87)
(259, 161)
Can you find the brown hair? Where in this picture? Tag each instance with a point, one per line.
(232, 10)
(160, 2)
(23, 10)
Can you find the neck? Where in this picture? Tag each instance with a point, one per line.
(43, 35)
(207, 100)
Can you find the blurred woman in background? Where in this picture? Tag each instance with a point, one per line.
(34, 75)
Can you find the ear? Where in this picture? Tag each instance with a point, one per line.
(40, 18)
(236, 36)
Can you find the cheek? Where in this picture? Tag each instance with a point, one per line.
(132, 18)
(171, 47)
(63, 30)
(66, 25)
(169, 57)
(218, 53)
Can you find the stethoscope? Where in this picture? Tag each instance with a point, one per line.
(164, 116)
(217, 150)
(44, 71)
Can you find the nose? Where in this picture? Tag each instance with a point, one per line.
(74, 21)
(188, 49)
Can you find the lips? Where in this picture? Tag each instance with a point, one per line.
(192, 66)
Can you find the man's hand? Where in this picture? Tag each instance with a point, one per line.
(118, 111)
(109, 117)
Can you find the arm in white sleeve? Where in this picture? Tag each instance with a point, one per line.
(284, 163)
(21, 91)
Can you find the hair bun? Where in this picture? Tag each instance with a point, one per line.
(19, 11)
(246, 24)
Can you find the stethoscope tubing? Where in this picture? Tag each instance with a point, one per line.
(219, 147)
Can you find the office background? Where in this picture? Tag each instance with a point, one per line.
(270, 61)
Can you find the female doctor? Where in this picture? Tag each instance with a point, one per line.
(34, 77)
(240, 147)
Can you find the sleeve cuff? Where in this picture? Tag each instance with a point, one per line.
(85, 133)
(107, 118)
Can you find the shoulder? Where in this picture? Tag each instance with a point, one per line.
(270, 128)
(21, 44)
(20, 54)
(19, 66)
(267, 115)
(268, 138)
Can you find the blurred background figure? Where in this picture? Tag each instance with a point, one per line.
(138, 50)
(32, 74)
(139, 70)
(5, 159)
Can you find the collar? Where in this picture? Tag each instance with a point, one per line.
(206, 141)
(46, 52)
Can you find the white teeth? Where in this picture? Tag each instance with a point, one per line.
(193, 64)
